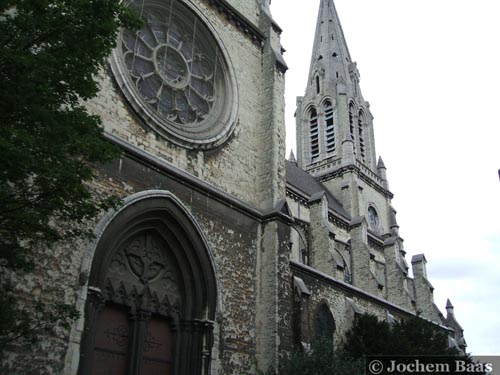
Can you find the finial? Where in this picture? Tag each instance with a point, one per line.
(449, 307)
(380, 163)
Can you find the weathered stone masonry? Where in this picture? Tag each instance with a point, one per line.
(251, 254)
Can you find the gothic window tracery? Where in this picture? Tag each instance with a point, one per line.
(174, 73)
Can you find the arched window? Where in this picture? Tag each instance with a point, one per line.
(351, 120)
(373, 219)
(318, 87)
(342, 266)
(313, 121)
(361, 124)
(324, 325)
(329, 127)
(151, 296)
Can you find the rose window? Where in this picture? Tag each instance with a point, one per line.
(176, 76)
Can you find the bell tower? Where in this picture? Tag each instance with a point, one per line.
(336, 145)
(334, 124)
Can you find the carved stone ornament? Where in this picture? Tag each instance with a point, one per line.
(141, 274)
(174, 73)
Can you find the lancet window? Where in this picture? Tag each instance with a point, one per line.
(314, 134)
(362, 147)
(329, 127)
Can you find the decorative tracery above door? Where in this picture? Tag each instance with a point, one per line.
(152, 294)
(142, 274)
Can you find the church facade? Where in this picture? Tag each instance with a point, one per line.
(225, 255)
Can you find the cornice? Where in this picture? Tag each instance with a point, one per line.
(337, 220)
(296, 195)
(185, 178)
(355, 169)
(302, 198)
(352, 290)
(375, 242)
(238, 20)
(348, 288)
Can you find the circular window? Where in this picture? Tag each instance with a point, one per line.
(175, 74)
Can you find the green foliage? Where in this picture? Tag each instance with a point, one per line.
(50, 53)
(321, 359)
(416, 336)
(19, 324)
(368, 336)
(412, 336)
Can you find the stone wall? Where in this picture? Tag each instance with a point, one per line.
(232, 235)
(241, 167)
(344, 301)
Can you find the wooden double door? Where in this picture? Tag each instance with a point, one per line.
(125, 344)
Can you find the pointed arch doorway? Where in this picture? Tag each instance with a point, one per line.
(152, 294)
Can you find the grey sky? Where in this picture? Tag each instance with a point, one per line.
(431, 72)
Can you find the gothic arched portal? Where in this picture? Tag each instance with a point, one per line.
(152, 295)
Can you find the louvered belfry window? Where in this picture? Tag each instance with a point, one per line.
(362, 148)
(314, 134)
(329, 127)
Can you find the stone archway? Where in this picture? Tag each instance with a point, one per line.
(151, 296)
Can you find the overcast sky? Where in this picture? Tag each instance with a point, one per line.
(431, 72)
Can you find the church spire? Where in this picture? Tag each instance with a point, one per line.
(330, 58)
(334, 122)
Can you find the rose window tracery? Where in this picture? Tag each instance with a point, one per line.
(175, 74)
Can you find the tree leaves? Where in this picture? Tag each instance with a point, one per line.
(368, 336)
(50, 54)
(411, 336)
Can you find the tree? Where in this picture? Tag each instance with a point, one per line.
(368, 336)
(410, 336)
(320, 359)
(50, 54)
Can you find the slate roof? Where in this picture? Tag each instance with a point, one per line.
(310, 187)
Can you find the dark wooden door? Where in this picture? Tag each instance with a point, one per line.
(116, 350)
(158, 345)
(111, 342)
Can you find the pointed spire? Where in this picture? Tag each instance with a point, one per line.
(291, 158)
(393, 222)
(333, 82)
(265, 3)
(330, 53)
(450, 310)
(382, 172)
(380, 164)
